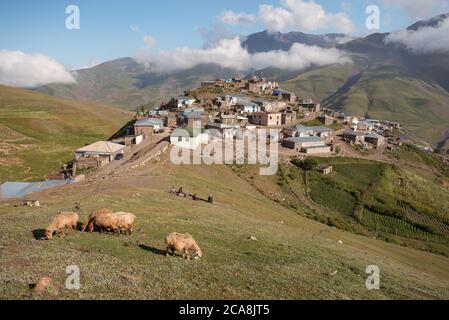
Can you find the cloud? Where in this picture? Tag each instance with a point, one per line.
(305, 15)
(149, 41)
(420, 8)
(236, 18)
(214, 35)
(229, 53)
(425, 40)
(135, 29)
(30, 70)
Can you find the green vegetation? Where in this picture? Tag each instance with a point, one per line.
(39, 133)
(293, 257)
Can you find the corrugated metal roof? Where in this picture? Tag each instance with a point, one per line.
(304, 139)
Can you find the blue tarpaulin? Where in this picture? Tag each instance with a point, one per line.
(10, 190)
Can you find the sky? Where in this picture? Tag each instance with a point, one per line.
(136, 28)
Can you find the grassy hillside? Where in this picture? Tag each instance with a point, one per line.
(293, 257)
(126, 84)
(39, 133)
(380, 90)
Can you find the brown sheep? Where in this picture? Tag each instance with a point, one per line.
(61, 221)
(183, 243)
(125, 221)
(91, 221)
(115, 222)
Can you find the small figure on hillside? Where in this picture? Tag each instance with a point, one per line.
(173, 190)
(194, 197)
(210, 199)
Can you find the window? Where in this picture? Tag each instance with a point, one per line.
(179, 139)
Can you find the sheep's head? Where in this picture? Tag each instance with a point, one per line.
(199, 254)
(48, 234)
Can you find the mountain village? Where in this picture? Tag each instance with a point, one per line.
(228, 109)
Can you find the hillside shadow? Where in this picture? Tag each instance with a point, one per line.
(153, 250)
(38, 234)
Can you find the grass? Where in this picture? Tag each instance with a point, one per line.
(39, 133)
(290, 260)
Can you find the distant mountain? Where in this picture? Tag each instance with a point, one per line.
(128, 84)
(267, 41)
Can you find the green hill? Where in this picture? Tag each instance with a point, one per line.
(39, 133)
(126, 84)
(292, 258)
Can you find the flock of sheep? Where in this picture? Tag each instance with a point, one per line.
(120, 222)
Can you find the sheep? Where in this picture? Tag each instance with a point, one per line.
(91, 221)
(183, 243)
(115, 222)
(125, 221)
(107, 221)
(61, 221)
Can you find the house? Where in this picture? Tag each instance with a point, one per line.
(223, 131)
(249, 107)
(182, 102)
(374, 139)
(326, 120)
(289, 96)
(353, 136)
(133, 140)
(266, 119)
(228, 119)
(303, 131)
(208, 83)
(298, 143)
(325, 169)
(98, 154)
(189, 138)
(193, 119)
(147, 127)
(288, 117)
(365, 126)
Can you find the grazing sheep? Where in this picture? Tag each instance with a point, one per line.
(107, 221)
(115, 222)
(91, 221)
(183, 243)
(61, 221)
(125, 221)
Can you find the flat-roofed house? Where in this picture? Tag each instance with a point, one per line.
(353, 136)
(266, 119)
(228, 119)
(375, 139)
(303, 131)
(298, 143)
(97, 154)
(147, 127)
(189, 138)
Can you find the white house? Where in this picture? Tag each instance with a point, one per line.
(189, 138)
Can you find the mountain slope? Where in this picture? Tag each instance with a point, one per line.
(267, 41)
(293, 257)
(127, 84)
(38, 133)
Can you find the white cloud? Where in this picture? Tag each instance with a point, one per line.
(419, 9)
(229, 53)
(235, 18)
(424, 40)
(305, 15)
(149, 41)
(135, 29)
(30, 70)
(275, 18)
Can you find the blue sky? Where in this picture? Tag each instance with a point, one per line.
(105, 34)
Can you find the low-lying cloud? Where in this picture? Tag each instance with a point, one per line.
(229, 53)
(424, 40)
(20, 69)
(236, 18)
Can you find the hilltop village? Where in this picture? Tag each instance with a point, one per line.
(228, 109)
(233, 106)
